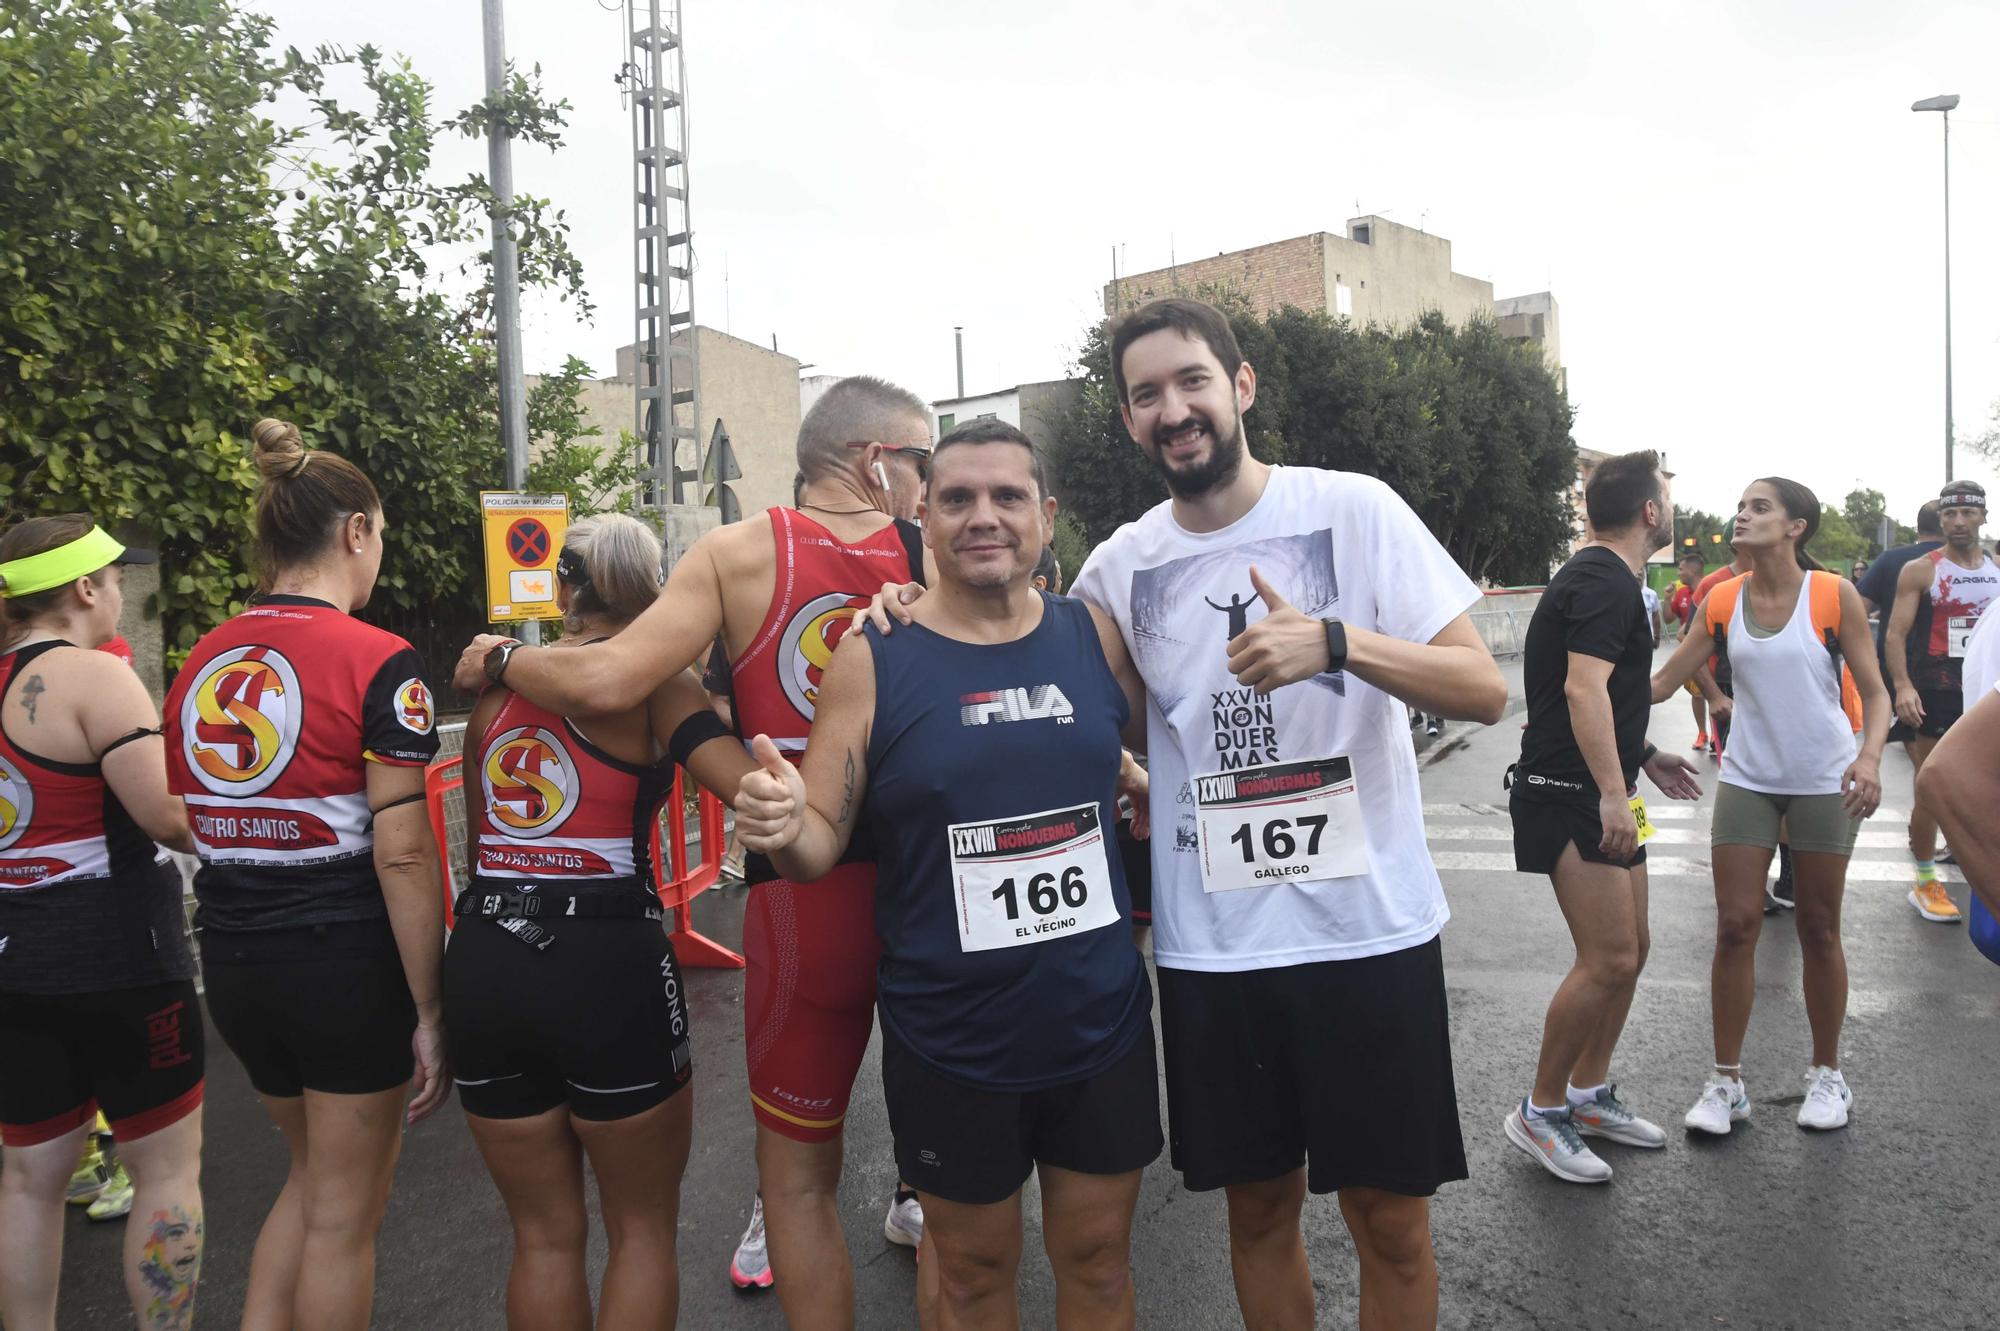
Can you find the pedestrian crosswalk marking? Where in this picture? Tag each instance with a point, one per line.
(1661, 867)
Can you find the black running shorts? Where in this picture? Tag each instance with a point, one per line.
(319, 1008)
(1942, 708)
(1543, 828)
(1341, 1066)
(137, 1054)
(598, 1021)
(977, 1147)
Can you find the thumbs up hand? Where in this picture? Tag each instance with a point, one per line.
(770, 802)
(1283, 647)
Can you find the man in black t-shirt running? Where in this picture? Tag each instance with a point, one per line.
(1577, 816)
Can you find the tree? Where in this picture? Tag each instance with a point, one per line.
(174, 264)
(1468, 427)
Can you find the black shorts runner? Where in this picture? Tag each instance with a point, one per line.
(1942, 708)
(1342, 1066)
(320, 1008)
(1543, 828)
(977, 1147)
(598, 1022)
(137, 1054)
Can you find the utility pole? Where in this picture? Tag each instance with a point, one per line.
(506, 268)
(958, 337)
(1945, 105)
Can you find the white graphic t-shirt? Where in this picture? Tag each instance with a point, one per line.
(1338, 795)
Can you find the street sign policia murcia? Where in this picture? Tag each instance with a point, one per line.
(524, 534)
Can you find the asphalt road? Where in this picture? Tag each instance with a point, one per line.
(1887, 1224)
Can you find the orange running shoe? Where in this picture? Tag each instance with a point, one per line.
(1934, 903)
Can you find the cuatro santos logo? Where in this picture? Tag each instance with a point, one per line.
(240, 720)
(808, 645)
(530, 782)
(17, 804)
(414, 711)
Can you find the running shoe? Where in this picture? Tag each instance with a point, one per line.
(1934, 903)
(904, 1225)
(1944, 856)
(1607, 1117)
(1551, 1140)
(1722, 1103)
(1700, 741)
(115, 1202)
(750, 1268)
(90, 1178)
(1827, 1100)
(1434, 726)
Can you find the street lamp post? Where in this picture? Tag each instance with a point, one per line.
(1945, 105)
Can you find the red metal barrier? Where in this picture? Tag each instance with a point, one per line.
(677, 882)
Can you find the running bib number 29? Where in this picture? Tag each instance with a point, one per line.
(1031, 878)
(1265, 825)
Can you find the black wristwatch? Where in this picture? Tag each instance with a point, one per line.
(497, 657)
(1336, 646)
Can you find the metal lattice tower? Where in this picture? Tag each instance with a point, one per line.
(666, 395)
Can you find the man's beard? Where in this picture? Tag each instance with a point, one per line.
(1219, 468)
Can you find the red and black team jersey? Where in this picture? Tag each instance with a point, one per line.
(1956, 598)
(822, 580)
(555, 808)
(268, 727)
(87, 901)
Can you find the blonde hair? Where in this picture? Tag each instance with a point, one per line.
(305, 496)
(623, 557)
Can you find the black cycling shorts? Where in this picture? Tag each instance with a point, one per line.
(1543, 828)
(137, 1054)
(977, 1147)
(319, 1008)
(1342, 1066)
(598, 1021)
(1942, 708)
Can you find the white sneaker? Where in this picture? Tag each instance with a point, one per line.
(904, 1225)
(1551, 1141)
(1606, 1116)
(1722, 1103)
(1827, 1099)
(750, 1267)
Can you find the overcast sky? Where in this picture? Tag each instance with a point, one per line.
(1736, 211)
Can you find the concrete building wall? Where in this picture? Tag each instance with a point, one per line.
(756, 393)
(1285, 272)
(1533, 318)
(1043, 407)
(1004, 405)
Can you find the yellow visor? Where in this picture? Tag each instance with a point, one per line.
(93, 550)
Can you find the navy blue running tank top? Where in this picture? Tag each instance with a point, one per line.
(1007, 957)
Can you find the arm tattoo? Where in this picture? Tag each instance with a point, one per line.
(31, 696)
(170, 1266)
(847, 791)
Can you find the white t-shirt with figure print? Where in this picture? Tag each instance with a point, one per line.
(1288, 828)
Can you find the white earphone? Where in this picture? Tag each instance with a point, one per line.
(881, 474)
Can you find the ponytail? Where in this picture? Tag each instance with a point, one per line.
(305, 496)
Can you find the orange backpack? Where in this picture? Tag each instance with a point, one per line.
(1824, 602)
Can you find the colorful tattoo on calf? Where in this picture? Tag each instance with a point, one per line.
(170, 1264)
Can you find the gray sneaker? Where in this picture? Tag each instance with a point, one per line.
(750, 1268)
(1607, 1117)
(1551, 1141)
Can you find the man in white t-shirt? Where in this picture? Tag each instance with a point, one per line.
(1282, 617)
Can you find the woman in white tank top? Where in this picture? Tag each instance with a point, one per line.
(1790, 772)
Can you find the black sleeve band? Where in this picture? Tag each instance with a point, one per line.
(410, 798)
(913, 548)
(691, 734)
(129, 737)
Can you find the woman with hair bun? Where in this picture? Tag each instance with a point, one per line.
(97, 1000)
(299, 737)
(1791, 771)
(568, 1018)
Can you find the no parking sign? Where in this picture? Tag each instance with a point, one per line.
(524, 534)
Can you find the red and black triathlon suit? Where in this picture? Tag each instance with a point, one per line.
(269, 727)
(811, 949)
(97, 1000)
(560, 985)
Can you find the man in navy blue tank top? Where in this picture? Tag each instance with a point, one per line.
(982, 749)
